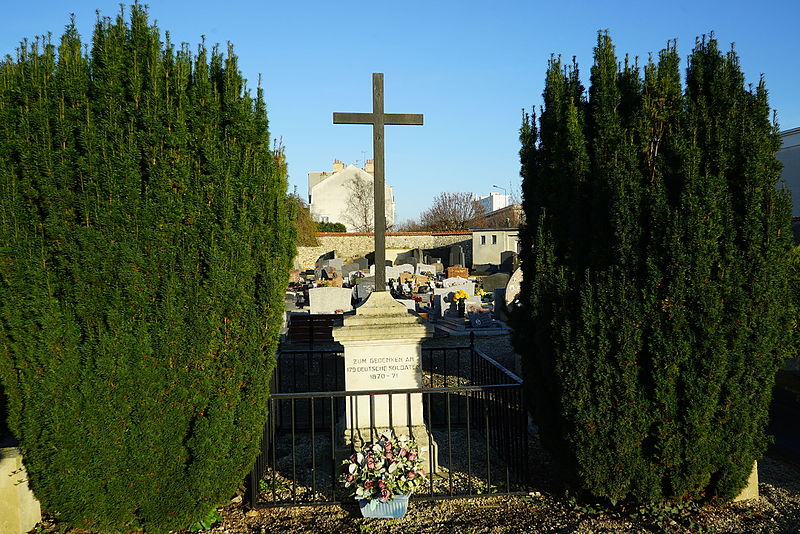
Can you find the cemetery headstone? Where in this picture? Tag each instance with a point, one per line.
(327, 256)
(457, 281)
(495, 281)
(405, 268)
(442, 296)
(349, 268)
(439, 266)
(512, 288)
(500, 311)
(362, 262)
(329, 299)
(425, 268)
(453, 272)
(457, 256)
(509, 261)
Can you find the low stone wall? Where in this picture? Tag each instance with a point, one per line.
(360, 244)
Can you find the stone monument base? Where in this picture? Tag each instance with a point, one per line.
(19, 509)
(751, 490)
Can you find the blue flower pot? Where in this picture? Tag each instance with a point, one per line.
(393, 509)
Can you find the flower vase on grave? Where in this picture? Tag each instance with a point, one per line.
(375, 508)
(461, 307)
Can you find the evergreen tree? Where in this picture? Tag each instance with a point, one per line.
(145, 244)
(655, 269)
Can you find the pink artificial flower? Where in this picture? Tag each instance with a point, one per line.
(403, 453)
(368, 484)
(412, 456)
(381, 484)
(370, 463)
(384, 495)
(388, 446)
(350, 478)
(389, 455)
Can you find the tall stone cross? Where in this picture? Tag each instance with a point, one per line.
(378, 119)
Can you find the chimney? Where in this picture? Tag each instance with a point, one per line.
(338, 165)
(369, 166)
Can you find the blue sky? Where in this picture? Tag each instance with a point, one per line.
(469, 67)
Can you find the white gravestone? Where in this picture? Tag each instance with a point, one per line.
(457, 281)
(443, 296)
(425, 268)
(329, 299)
(383, 350)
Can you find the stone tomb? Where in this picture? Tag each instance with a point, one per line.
(329, 299)
(383, 350)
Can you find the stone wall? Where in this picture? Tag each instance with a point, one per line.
(352, 245)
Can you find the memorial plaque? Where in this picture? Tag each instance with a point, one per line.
(453, 272)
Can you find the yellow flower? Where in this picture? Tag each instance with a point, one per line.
(460, 295)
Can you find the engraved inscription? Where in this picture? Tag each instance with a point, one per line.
(382, 367)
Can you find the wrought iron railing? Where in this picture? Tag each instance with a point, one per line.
(473, 410)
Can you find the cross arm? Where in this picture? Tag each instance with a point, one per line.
(414, 119)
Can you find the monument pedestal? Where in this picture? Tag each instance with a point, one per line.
(19, 509)
(383, 351)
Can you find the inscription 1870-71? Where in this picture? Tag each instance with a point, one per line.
(382, 367)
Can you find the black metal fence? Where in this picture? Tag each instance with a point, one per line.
(473, 411)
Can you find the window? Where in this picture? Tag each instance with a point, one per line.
(483, 240)
(494, 240)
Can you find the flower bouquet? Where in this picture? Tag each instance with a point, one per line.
(389, 470)
(460, 298)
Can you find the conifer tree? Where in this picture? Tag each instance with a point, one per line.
(655, 307)
(145, 244)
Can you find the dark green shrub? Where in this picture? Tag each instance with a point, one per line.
(145, 246)
(655, 308)
(330, 227)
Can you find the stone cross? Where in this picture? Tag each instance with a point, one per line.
(378, 119)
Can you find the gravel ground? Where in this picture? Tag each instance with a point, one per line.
(542, 511)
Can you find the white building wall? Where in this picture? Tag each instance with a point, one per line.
(494, 201)
(329, 194)
(789, 155)
(489, 244)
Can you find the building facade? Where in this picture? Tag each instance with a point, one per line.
(493, 202)
(789, 155)
(493, 246)
(344, 195)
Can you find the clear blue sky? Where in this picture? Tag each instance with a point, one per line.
(469, 67)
